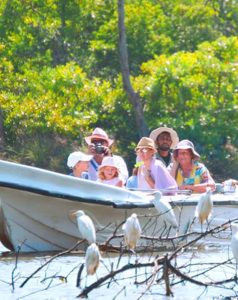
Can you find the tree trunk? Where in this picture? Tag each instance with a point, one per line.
(134, 97)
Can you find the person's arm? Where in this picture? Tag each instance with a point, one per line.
(206, 181)
(197, 188)
(173, 168)
(120, 183)
(149, 179)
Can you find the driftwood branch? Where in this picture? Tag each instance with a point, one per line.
(161, 269)
(50, 260)
(112, 274)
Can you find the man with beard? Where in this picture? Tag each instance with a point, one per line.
(165, 139)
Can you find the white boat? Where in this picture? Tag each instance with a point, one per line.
(36, 208)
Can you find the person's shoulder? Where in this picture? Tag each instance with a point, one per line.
(159, 163)
(199, 165)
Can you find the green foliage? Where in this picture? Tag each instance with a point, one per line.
(60, 76)
(197, 94)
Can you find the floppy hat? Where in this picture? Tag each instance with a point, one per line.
(108, 161)
(77, 156)
(98, 133)
(174, 137)
(186, 144)
(146, 142)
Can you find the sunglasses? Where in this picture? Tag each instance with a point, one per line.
(144, 150)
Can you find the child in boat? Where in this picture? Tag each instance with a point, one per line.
(78, 162)
(109, 172)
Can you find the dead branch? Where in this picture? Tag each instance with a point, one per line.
(166, 276)
(216, 229)
(112, 274)
(50, 260)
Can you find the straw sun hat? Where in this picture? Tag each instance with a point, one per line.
(146, 142)
(99, 134)
(174, 137)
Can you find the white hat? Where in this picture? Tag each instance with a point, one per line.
(75, 157)
(186, 144)
(174, 137)
(98, 133)
(109, 161)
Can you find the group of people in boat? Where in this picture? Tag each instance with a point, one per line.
(162, 162)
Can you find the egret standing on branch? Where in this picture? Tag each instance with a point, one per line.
(234, 241)
(92, 259)
(85, 226)
(165, 209)
(132, 231)
(204, 207)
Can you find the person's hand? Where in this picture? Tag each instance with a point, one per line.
(92, 150)
(186, 187)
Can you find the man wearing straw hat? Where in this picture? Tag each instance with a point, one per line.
(165, 139)
(99, 146)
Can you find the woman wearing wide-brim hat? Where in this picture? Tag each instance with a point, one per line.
(188, 172)
(152, 174)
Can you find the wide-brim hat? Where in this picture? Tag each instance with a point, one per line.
(108, 161)
(99, 134)
(146, 142)
(186, 144)
(77, 156)
(174, 137)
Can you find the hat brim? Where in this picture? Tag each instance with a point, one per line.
(196, 156)
(149, 147)
(111, 166)
(88, 139)
(174, 137)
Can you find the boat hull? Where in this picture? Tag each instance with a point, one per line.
(37, 205)
(42, 223)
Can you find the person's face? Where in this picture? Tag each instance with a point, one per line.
(164, 141)
(145, 153)
(184, 156)
(102, 143)
(109, 172)
(82, 166)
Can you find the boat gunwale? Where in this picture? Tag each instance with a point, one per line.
(122, 205)
(65, 196)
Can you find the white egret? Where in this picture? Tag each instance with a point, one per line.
(165, 209)
(204, 207)
(85, 226)
(234, 242)
(92, 259)
(132, 231)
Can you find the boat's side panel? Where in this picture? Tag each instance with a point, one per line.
(40, 223)
(4, 238)
(43, 223)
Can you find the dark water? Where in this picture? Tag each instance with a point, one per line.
(49, 283)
